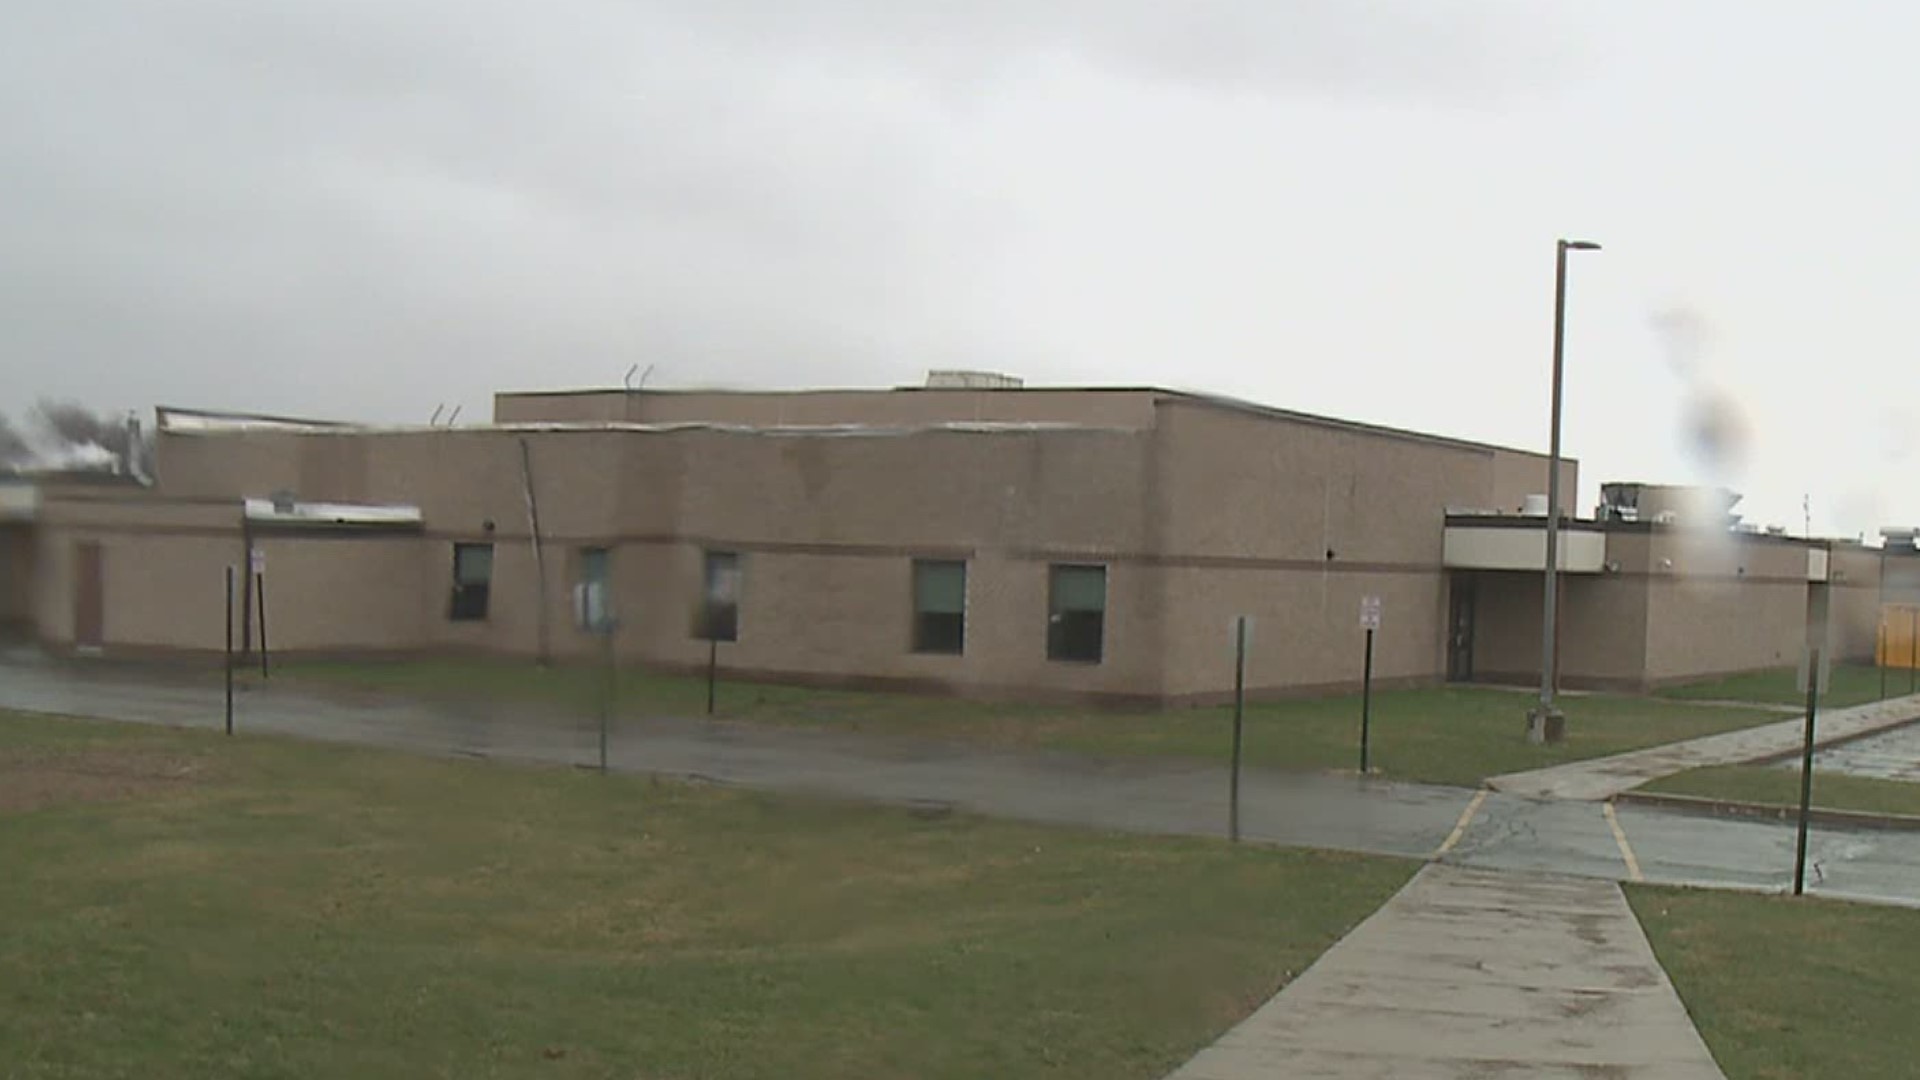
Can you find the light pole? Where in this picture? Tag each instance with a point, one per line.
(1546, 723)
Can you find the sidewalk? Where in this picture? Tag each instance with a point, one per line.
(1602, 778)
(1467, 973)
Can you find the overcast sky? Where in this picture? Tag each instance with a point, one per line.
(366, 208)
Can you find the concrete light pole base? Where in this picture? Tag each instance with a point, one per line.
(1546, 724)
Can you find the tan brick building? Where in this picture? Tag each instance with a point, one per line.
(1008, 541)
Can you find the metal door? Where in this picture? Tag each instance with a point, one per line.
(1460, 630)
(89, 596)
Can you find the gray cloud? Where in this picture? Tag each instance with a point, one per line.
(362, 207)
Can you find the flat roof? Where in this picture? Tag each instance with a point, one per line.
(1195, 397)
(244, 425)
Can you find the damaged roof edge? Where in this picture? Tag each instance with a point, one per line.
(242, 425)
(1233, 404)
(172, 418)
(1158, 393)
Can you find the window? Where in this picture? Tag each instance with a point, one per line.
(1076, 612)
(939, 606)
(472, 581)
(719, 616)
(593, 590)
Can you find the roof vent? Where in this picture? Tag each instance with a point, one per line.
(283, 501)
(972, 380)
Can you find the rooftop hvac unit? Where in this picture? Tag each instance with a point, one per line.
(972, 380)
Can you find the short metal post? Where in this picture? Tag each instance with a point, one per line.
(713, 665)
(1806, 776)
(260, 598)
(1913, 646)
(607, 696)
(1239, 714)
(1366, 704)
(1880, 655)
(228, 655)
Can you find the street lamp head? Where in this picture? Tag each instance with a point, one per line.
(1579, 245)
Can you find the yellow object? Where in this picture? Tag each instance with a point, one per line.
(1898, 623)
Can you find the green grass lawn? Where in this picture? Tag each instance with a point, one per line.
(174, 903)
(1451, 735)
(1852, 684)
(1781, 787)
(1786, 989)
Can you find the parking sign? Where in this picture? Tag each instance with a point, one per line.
(1369, 613)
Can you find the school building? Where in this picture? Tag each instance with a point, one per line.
(983, 539)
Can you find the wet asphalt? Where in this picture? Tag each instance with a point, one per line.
(1454, 825)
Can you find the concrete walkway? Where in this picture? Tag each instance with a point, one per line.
(1603, 778)
(1467, 973)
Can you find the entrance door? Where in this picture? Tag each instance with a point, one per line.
(1460, 630)
(89, 596)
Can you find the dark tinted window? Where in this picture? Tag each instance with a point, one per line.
(1076, 612)
(939, 606)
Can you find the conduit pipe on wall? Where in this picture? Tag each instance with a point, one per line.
(539, 556)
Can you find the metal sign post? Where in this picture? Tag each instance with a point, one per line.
(713, 669)
(260, 601)
(1880, 655)
(228, 655)
(1369, 622)
(1239, 710)
(1813, 679)
(611, 691)
(1813, 684)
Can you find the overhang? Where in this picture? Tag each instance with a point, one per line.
(1515, 543)
(287, 514)
(19, 501)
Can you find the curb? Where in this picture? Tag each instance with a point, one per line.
(1859, 819)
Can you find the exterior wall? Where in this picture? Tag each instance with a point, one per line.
(1603, 621)
(1506, 633)
(1603, 629)
(1200, 511)
(1603, 632)
(1293, 522)
(826, 526)
(1855, 601)
(164, 591)
(1517, 474)
(52, 590)
(1099, 408)
(344, 593)
(162, 572)
(16, 577)
(1720, 603)
(1901, 577)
